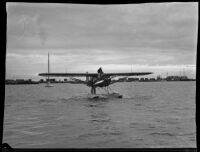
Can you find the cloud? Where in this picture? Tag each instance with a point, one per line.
(79, 35)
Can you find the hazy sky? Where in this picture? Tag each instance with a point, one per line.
(150, 37)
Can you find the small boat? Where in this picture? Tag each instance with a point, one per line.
(48, 81)
(48, 84)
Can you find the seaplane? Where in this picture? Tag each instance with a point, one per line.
(97, 80)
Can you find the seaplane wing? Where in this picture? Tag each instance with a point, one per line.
(68, 74)
(128, 74)
(93, 74)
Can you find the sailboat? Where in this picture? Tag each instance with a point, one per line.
(48, 82)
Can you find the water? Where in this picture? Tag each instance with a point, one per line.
(151, 114)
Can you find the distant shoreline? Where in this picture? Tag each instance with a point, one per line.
(34, 83)
(76, 81)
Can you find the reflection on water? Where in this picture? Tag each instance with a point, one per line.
(159, 114)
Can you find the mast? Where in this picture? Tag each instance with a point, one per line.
(48, 82)
(48, 66)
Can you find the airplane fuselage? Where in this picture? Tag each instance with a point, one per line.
(95, 82)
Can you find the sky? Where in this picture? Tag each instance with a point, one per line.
(152, 37)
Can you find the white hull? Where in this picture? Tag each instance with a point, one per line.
(48, 85)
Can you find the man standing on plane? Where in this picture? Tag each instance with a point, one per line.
(100, 72)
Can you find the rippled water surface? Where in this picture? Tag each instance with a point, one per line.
(150, 114)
